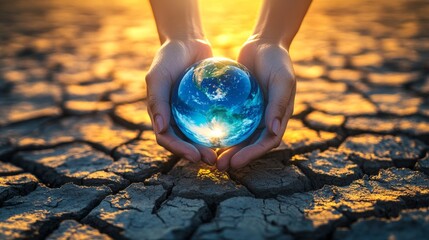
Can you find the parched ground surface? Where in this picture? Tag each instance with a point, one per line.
(78, 158)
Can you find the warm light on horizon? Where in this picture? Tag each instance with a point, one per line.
(216, 131)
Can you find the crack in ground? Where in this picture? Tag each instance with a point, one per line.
(395, 132)
(162, 199)
(238, 182)
(115, 234)
(112, 152)
(42, 172)
(352, 219)
(51, 225)
(124, 123)
(213, 208)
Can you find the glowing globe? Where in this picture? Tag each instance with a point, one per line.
(217, 103)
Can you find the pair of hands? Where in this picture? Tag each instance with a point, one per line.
(271, 65)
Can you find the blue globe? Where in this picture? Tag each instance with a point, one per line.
(217, 103)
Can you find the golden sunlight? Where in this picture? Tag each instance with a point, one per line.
(216, 131)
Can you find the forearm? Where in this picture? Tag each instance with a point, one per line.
(279, 20)
(177, 19)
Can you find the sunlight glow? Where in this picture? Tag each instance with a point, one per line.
(216, 131)
(213, 132)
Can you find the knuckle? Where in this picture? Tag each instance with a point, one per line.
(292, 83)
(264, 146)
(152, 102)
(292, 80)
(285, 75)
(277, 142)
(281, 106)
(158, 140)
(290, 114)
(149, 77)
(156, 74)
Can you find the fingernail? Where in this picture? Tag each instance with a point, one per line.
(189, 158)
(207, 161)
(276, 126)
(159, 123)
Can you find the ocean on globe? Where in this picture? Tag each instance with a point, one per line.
(217, 103)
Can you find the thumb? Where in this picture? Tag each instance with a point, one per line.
(158, 92)
(280, 92)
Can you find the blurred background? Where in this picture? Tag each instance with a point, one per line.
(78, 57)
(73, 109)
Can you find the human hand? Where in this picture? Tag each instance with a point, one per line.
(271, 65)
(170, 62)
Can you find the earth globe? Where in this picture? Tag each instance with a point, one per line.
(217, 103)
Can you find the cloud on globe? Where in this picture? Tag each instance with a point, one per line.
(217, 103)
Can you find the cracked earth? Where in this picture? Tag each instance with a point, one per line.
(78, 157)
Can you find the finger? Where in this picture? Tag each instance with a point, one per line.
(170, 141)
(281, 91)
(222, 163)
(219, 151)
(265, 143)
(208, 155)
(158, 91)
(246, 61)
(224, 159)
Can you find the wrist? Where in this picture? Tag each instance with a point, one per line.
(177, 20)
(191, 34)
(267, 39)
(279, 20)
(199, 48)
(188, 41)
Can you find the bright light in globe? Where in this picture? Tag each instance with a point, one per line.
(217, 103)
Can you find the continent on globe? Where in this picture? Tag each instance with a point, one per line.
(217, 103)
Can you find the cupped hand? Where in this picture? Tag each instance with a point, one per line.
(170, 62)
(271, 65)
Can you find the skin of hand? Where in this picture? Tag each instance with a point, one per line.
(183, 44)
(266, 55)
(271, 65)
